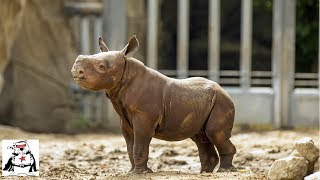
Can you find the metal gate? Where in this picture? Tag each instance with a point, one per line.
(282, 104)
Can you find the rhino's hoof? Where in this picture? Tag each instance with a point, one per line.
(141, 170)
(207, 170)
(227, 169)
(131, 170)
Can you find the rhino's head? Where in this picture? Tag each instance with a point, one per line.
(105, 69)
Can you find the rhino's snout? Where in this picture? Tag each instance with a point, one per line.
(78, 72)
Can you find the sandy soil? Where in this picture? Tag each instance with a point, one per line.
(104, 156)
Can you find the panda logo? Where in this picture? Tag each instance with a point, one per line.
(21, 162)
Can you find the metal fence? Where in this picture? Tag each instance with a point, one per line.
(287, 98)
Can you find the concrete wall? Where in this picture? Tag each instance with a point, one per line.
(305, 108)
(255, 106)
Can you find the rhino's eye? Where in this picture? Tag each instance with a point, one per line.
(101, 67)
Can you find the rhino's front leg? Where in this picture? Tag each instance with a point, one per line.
(128, 136)
(142, 138)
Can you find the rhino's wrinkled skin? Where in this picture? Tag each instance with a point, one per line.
(153, 105)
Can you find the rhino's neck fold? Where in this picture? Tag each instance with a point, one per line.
(132, 68)
(115, 89)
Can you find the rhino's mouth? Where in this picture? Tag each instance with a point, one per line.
(80, 81)
(78, 78)
(85, 83)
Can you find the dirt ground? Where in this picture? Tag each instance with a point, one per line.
(104, 156)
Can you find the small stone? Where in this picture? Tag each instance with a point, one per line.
(314, 176)
(291, 167)
(175, 162)
(274, 150)
(249, 157)
(169, 153)
(307, 149)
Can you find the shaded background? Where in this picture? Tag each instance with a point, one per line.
(40, 39)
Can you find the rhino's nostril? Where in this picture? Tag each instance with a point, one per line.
(80, 71)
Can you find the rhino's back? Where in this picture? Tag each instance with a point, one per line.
(194, 91)
(187, 104)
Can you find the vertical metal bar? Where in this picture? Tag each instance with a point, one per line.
(319, 55)
(114, 23)
(183, 38)
(283, 59)
(76, 26)
(214, 39)
(276, 59)
(246, 43)
(110, 115)
(88, 107)
(114, 30)
(85, 49)
(288, 60)
(100, 97)
(91, 33)
(84, 35)
(152, 46)
(97, 31)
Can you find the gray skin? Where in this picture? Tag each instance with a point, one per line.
(151, 104)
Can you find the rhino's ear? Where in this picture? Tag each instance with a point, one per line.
(131, 48)
(103, 46)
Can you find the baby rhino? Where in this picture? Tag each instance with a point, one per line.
(151, 104)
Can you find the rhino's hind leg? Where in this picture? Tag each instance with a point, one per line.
(218, 129)
(208, 156)
(226, 152)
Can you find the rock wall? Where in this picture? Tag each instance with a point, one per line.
(36, 95)
(41, 61)
(10, 22)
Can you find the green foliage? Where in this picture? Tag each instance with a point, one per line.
(266, 4)
(82, 123)
(307, 14)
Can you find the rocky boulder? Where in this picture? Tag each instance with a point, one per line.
(292, 167)
(299, 164)
(11, 12)
(309, 150)
(41, 61)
